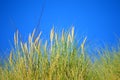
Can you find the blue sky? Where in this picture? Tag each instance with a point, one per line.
(97, 19)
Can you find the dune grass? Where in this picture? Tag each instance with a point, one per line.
(61, 58)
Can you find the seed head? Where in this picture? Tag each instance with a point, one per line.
(72, 33)
(62, 38)
(37, 39)
(52, 34)
(16, 38)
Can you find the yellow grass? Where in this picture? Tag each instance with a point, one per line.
(61, 59)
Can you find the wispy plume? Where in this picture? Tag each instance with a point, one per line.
(82, 45)
(38, 38)
(62, 37)
(72, 31)
(51, 36)
(16, 38)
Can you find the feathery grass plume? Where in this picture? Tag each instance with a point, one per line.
(29, 39)
(46, 43)
(30, 43)
(51, 36)
(72, 31)
(32, 39)
(16, 38)
(10, 58)
(21, 46)
(62, 37)
(68, 40)
(82, 45)
(33, 33)
(56, 39)
(38, 38)
(26, 47)
(64, 64)
(39, 44)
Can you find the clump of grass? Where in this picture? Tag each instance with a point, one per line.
(61, 59)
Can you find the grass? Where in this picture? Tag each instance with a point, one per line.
(59, 59)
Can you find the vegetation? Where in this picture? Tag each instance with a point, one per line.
(61, 58)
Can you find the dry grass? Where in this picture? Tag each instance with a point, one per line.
(61, 59)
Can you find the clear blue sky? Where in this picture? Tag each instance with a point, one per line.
(98, 19)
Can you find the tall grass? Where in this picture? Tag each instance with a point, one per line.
(59, 59)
